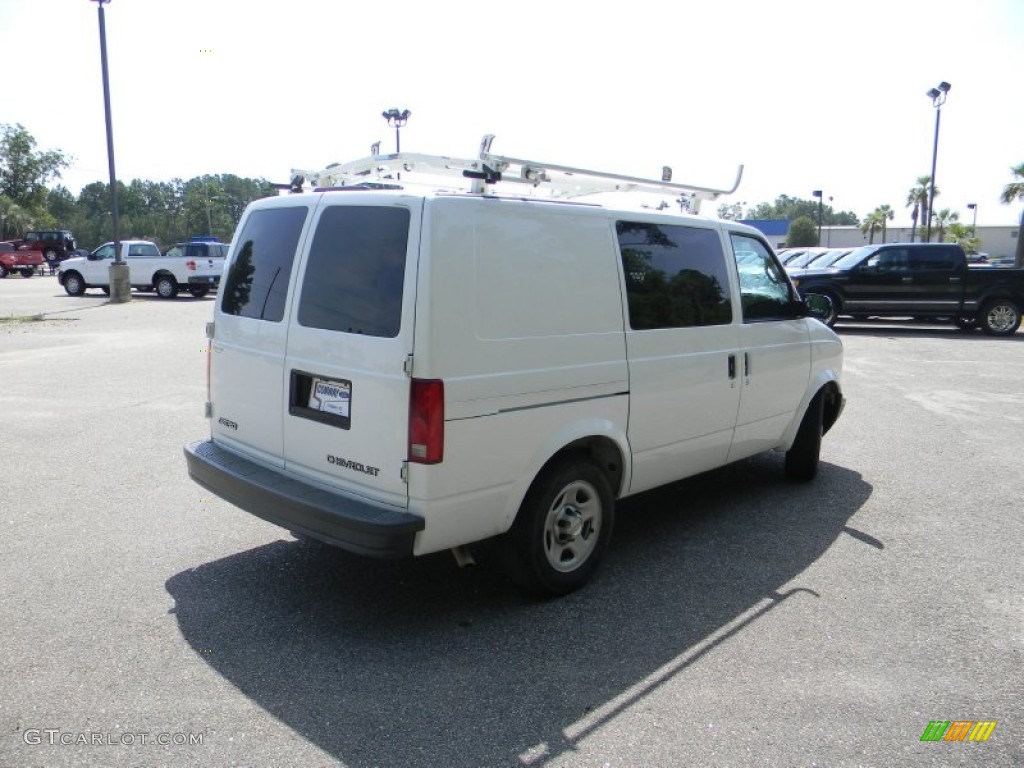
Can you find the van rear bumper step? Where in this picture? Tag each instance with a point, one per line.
(302, 508)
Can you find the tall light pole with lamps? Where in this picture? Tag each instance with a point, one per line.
(818, 194)
(397, 119)
(831, 222)
(120, 289)
(938, 97)
(974, 222)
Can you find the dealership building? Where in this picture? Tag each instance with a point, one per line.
(997, 242)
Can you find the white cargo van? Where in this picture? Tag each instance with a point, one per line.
(400, 372)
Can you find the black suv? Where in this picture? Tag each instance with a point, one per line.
(56, 244)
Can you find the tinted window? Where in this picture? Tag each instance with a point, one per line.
(764, 290)
(356, 271)
(257, 282)
(934, 259)
(675, 276)
(146, 250)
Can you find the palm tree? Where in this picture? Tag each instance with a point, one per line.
(872, 222)
(887, 214)
(942, 218)
(963, 236)
(1015, 191)
(917, 199)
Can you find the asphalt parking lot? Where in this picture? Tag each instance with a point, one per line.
(739, 619)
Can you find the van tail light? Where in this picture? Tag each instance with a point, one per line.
(426, 421)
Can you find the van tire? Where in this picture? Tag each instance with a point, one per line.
(563, 528)
(198, 291)
(802, 457)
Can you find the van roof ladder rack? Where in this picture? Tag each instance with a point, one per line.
(487, 170)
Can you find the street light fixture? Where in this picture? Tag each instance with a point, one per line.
(397, 120)
(831, 221)
(120, 289)
(938, 97)
(974, 223)
(818, 194)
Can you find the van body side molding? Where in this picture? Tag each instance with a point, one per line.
(300, 507)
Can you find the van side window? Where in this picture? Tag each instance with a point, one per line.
(356, 271)
(675, 276)
(765, 292)
(256, 285)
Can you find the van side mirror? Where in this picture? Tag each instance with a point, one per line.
(819, 307)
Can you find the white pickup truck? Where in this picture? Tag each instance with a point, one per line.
(195, 267)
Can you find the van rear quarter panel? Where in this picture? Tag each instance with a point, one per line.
(519, 311)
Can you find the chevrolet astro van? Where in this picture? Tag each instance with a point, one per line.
(397, 372)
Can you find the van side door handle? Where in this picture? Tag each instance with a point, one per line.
(732, 366)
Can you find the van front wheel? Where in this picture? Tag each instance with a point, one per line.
(802, 457)
(562, 529)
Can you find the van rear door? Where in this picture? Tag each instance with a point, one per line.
(347, 390)
(247, 380)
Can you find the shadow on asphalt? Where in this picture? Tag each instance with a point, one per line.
(419, 663)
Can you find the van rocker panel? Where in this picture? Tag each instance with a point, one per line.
(354, 525)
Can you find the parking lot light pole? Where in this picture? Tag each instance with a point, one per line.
(974, 222)
(938, 97)
(818, 194)
(397, 119)
(120, 288)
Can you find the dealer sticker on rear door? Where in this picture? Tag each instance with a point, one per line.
(331, 397)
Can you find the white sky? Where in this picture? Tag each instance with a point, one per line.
(808, 94)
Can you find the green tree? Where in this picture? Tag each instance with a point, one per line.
(873, 222)
(963, 236)
(886, 214)
(942, 220)
(24, 171)
(791, 208)
(14, 220)
(917, 201)
(1012, 192)
(803, 231)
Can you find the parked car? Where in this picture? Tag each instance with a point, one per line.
(149, 270)
(55, 244)
(398, 372)
(23, 260)
(920, 280)
(818, 260)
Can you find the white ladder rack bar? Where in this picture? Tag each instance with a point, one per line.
(489, 169)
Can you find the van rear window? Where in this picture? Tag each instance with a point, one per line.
(256, 284)
(356, 271)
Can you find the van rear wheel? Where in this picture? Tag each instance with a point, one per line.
(562, 529)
